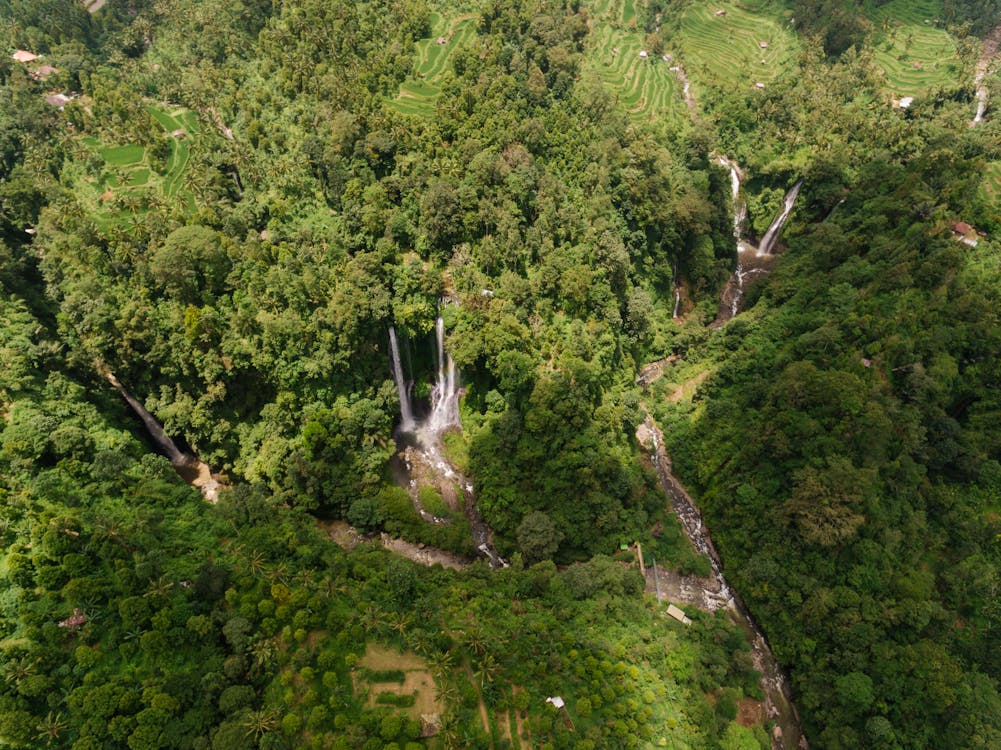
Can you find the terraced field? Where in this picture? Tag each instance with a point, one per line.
(129, 184)
(726, 50)
(991, 185)
(644, 86)
(418, 94)
(915, 56)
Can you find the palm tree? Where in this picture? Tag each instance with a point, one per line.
(399, 622)
(53, 726)
(158, 587)
(260, 722)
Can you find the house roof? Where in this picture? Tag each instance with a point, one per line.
(961, 227)
(23, 56)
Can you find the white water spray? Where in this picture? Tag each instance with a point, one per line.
(407, 423)
(768, 241)
(444, 394)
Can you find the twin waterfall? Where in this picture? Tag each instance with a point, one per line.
(425, 463)
(751, 261)
(444, 394)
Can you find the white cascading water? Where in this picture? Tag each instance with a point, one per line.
(768, 241)
(407, 423)
(444, 394)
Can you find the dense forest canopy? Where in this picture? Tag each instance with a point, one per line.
(233, 204)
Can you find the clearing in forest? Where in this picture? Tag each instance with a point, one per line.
(125, 182)
(751, 42)
(376, 671)
(448, 34)
(912, 47)
(643, 85)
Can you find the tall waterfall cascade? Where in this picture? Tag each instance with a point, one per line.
(768, 241)
(407, 422)
(444, 394)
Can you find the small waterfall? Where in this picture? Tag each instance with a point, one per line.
(191, 469)
(981, 105)
(407, 422)
(444, 395)
(738, 296)
(768, 241)
(677, 291)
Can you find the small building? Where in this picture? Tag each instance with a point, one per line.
(43, 73)
(964, 233)
(557, 701)
(74, 621)
(644, 54)
(180, 134)
(23, 56)
(442, 40)
(763, 45)
(720, 12)
(759, 85)
(905, 102)
(678, 614)
(58, 100)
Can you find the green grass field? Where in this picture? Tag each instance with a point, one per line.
(915, 57)
(726, 50)
(418, 93)
(128, 184)
(644, 87)
(990, 186)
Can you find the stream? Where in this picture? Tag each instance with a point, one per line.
(990, 49)
(715, 593)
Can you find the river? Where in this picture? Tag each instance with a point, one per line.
(715, 593)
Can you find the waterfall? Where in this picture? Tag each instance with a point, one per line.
(444, 395)
(191, 469)
(677, 301)
(981, 105)
(768, 241)
(407, 422)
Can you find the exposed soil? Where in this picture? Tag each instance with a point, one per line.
(417, 680)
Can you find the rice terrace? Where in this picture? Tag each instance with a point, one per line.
(126, 180)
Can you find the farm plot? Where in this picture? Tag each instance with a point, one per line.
(740, 47)
(128, 183)
(641, 82)
(914, 52)
(418, 93)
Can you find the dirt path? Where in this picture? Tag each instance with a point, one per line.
(483, 707)
(349, 537)
(524, 736)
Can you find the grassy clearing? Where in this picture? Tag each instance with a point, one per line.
(915, 56)
(417, 681)
(644, 87)
(726, 50)
(418, 93)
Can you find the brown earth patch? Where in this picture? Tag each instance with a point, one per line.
(417, 680)
(750, 712)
